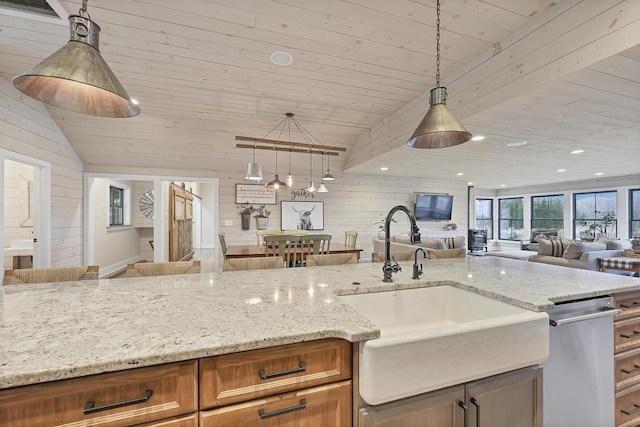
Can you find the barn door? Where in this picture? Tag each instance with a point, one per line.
(181, 228)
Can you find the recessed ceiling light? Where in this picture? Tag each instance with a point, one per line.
(478, 138)
(281, 58)
(577, 151)
(562, 170)
(460, 174)
(516, 143)
(503, 185)
(384, 168)
(599, 173)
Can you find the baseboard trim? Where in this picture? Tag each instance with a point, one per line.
(118, 267)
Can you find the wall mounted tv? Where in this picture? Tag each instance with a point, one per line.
(433, 207)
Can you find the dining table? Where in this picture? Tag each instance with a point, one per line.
(248, 251)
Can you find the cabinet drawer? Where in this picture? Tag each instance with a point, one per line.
(186, 421)
(322, 406)
(629, 303)
(627, 368)
(115, 399)
(628, 407)
(232, 378)
(627, 334)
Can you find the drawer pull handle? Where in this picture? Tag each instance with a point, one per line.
(635, 334)
(636, 408)
(635, 369)
(632, 305)
(264, 414)
(462, 405)
(91, 408)
(266, 376)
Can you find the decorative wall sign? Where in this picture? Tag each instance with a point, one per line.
(302, 193)
(251, 193)
(302, 215)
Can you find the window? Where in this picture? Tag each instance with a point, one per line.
(484, 216)
(116, 206)
(589, 211)
(511, 219)
(548, 212)
(634, 212)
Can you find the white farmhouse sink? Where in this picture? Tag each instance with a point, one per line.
(436, 337)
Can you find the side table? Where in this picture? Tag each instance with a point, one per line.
(620, 263)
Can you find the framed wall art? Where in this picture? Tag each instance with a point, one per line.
(302, 215)
(252, 193)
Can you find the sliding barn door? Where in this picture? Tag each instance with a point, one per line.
(181, 228)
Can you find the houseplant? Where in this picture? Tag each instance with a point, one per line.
(380, 225)
(605, 222)
(262, 217)
(245, 212)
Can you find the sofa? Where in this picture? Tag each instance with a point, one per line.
(578, 254)
(537, 233)
(436, 248)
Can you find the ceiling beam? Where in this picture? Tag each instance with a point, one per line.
(274, 142)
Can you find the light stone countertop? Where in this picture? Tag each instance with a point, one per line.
(64, 330)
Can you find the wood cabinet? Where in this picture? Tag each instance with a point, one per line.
(113, 399)
(505, 400)
(305, 384)
(627, 359)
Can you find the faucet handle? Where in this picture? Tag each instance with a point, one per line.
(396, 267)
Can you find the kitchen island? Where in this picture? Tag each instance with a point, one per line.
(58, 331)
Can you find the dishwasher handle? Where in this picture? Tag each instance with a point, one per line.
(602, 312)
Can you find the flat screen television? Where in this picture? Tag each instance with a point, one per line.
(433, 207)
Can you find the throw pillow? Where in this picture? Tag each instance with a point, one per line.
(544, 247)
(459, 242)
(402, 238)
(432, 243)
(616, 244)
(576, 249)
(553, 246)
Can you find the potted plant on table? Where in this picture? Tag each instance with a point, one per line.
(262, 217)
(603, 223)
(245, 212)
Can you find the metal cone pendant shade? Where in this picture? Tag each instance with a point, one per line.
(439, 128)
(76, 77)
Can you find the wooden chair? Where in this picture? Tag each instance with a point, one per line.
(261, 233)
(223, 244)
(314, 244)
(400, 256)
(331, 259)
(144, 269)
(253, 263)
(44, 275)
(285, 246)
(350, 237)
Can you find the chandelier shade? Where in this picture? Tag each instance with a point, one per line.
(76, 77)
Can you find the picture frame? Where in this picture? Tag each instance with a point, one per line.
(252, 193)
(301, 215)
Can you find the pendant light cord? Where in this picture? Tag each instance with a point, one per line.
(438, 43)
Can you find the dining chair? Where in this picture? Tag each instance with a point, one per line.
(350, 237)
(331, 259)
(252, 263)
(400, 256)
(147, 269)
(314, 244)
(223, 244)
(261, 233)
(44, 275)
(284, 245)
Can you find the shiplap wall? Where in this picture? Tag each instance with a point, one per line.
(15, 175)
(26, 127)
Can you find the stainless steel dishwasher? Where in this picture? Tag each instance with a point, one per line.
(578, 382)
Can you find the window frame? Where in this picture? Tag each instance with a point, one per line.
(633, 220)
(513, 238)
(576, 233)
(547, 218)
(490, 219)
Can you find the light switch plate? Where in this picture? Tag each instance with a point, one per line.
(228, 222)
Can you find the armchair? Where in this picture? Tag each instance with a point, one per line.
(537, 233)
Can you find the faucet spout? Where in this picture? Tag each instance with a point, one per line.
(388, 269)
(417, 269)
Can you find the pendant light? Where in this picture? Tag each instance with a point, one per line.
(276, 183)
(322, 188)
(254, 170)
(311, 188)
(76, 77)
(439, 128)
(289, 176)
(328, 176)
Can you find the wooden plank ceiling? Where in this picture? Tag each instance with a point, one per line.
(201, 72)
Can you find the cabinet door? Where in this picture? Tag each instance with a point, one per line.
(507, 400)
(436, 409)
(323, 406)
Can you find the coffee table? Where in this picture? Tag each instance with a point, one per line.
(620, 263)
